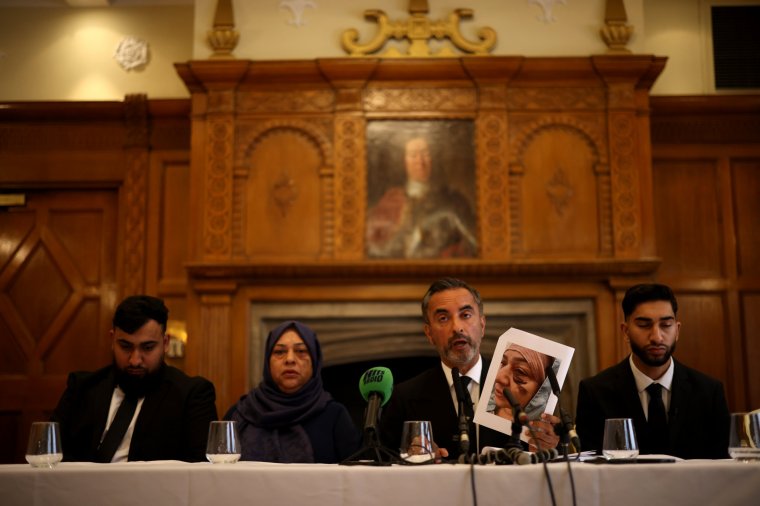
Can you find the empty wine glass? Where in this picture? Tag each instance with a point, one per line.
(744, 438)
(223, 445)
(619, 439)
(417, 442)
(44, 448)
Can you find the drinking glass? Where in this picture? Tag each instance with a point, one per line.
(744, 437)
(223, 446)
(619, 439)
(417, 442)
(44, 448)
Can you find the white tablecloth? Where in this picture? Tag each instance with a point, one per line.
(721, 483)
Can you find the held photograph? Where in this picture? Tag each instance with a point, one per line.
(519, 364)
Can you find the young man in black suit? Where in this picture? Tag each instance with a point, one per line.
(137, 408)
(454, 324)
(694, 418)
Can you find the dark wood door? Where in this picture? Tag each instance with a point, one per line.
(58, 285)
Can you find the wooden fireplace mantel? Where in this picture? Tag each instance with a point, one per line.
(558, 168)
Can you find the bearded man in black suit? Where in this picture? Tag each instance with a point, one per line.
(163, 413)
(695, 419)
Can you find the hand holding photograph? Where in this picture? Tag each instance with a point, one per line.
(519, 365)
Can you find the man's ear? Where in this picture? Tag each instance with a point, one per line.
(624, 330)
(426, 329)
(112, 336)
(166, 342)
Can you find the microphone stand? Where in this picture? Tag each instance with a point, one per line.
(372, 452)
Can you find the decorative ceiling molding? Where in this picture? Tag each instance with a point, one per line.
(296, 8)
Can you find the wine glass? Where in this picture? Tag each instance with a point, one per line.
(619, 439)
(417, 442)
(44, 447)
(744, 438)
(223, 445)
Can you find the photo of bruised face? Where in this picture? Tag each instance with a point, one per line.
(522, 371)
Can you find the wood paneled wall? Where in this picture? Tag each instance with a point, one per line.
(706, 182)
(116, 194)
(105, 216)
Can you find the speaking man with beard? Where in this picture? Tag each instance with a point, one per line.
(676, 410)
(454, 324)
(137, 408)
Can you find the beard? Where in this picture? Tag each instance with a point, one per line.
(139, 386)
(651, 361)
(463, 357)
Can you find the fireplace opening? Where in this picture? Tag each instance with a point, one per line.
(342, 381)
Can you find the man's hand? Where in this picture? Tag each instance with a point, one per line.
(544, 432)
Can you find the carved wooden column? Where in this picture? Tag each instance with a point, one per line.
(628, 80)
(135, 193)
(492, 127)
(213, 85)
(349, 78)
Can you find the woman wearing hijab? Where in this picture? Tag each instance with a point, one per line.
(289, 417)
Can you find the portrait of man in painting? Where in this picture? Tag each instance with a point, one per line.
(421, 189)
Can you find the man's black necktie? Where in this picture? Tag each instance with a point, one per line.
(657, 420)
(116, 431)
(469, 412)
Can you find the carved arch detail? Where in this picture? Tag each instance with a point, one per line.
(251, 137)
(601, 169)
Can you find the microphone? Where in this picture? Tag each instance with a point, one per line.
(517, 412)
(375, 386)
(566, 424)
(464, 434)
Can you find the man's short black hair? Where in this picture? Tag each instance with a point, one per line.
(136, 310)
(647, 292)
(448, 284)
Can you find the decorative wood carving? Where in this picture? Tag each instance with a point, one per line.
(218, 208)
(430, 99)
(418, 30)
(136, 191)
(350, 187)
(277, 102)
(493, 194)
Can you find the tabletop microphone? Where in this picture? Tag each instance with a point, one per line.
(464, 432)
(375, 386)
(517, 412)
(566, 423)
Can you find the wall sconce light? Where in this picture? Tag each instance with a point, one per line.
(177, 332)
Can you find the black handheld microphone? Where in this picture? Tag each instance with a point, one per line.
(517, 412)
(464, 434)
(566, 424)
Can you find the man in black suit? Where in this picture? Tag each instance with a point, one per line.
(694, 417)
(455, 324)
(137, 408)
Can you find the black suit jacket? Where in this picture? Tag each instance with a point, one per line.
(427, 397)
(698, 417)
(172, 424)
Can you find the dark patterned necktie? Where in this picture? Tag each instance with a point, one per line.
(657, 420)
(116, 431)
(469, 412)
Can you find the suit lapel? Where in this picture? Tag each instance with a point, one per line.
(103, 393)
(680, 390)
